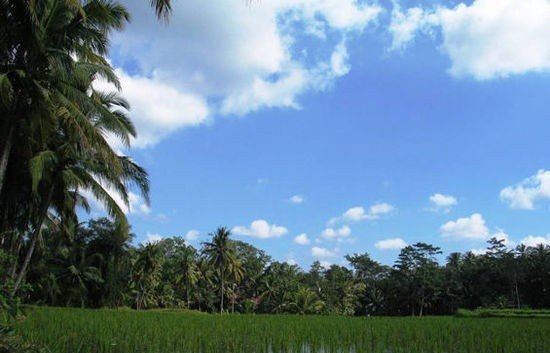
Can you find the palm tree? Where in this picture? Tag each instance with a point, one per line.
(163, 8)
(52, 53)
(70, 165)
(221, 255)
(189, 273)
(146, 274)
(305, 301)
(43, 42)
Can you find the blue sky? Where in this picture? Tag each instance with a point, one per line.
(390, 122)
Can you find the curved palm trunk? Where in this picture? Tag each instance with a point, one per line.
(34, 238)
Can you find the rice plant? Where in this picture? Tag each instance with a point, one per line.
(115, 331)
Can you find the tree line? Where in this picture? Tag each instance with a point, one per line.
(99, 267)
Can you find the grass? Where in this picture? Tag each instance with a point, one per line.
(63, 330)
(509, 313)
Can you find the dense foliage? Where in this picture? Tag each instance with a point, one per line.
(99, 267)
(64, 330)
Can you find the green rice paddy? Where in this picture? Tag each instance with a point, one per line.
(124, 331)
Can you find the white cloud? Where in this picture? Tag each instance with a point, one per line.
(234, 58)
(322, 253)
(404, 25)
(332, 233)
(358, 213)
(482, 38)
(291, 262)
(302, 239)
(261, 229)
(390, 244)
(479, 251)
(525, 194)
(472, 227)
(442, 203)
(192, 235)
(534, 241)
(297, 199)
(152, 238)
(502, 235)
(157, 108)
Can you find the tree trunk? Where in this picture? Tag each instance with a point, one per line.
(34, 239)
(221, 294)
(23, 271)
(517, 295)
(5, 154)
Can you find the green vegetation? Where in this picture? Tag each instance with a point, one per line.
(101, 331)
(98, 267)
(525, 313)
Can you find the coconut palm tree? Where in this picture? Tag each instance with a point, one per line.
(304, 301)
(146, 274)
(69, 165)
(189, 273)
(43, 42)
(52, 53)
(221, 255)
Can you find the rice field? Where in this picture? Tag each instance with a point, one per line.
(61, 330)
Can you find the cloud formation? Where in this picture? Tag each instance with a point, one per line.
(358, 213)
(322, 253)
(524, 195)
(192, 235)
(472, 227)
(261, 229)
(232, 58)
(482, 38)
(442, 203)
(332, 233)
(302, 239)
(297, 199)
(390, 244)
(534, 241)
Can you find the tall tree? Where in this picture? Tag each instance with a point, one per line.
(221, 255)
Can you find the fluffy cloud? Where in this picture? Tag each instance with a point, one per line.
(297, 199)
(390, 244)
(483, 37)
(233, 58)
(261, 229)
(332, 233)
(523, 195)
(322, 253)
(157, 108)
(442, 203)
(358, 213)
(404, 25)
(501, 235)
(472, 227)
(302, 239)
(533, 241)
(152, 238)
(192, 235)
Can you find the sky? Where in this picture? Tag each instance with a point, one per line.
(317, 128)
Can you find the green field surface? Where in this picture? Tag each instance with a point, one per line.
(125, 331)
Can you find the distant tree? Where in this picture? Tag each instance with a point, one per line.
(220, 252)
(419, 275)
(146, 274)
